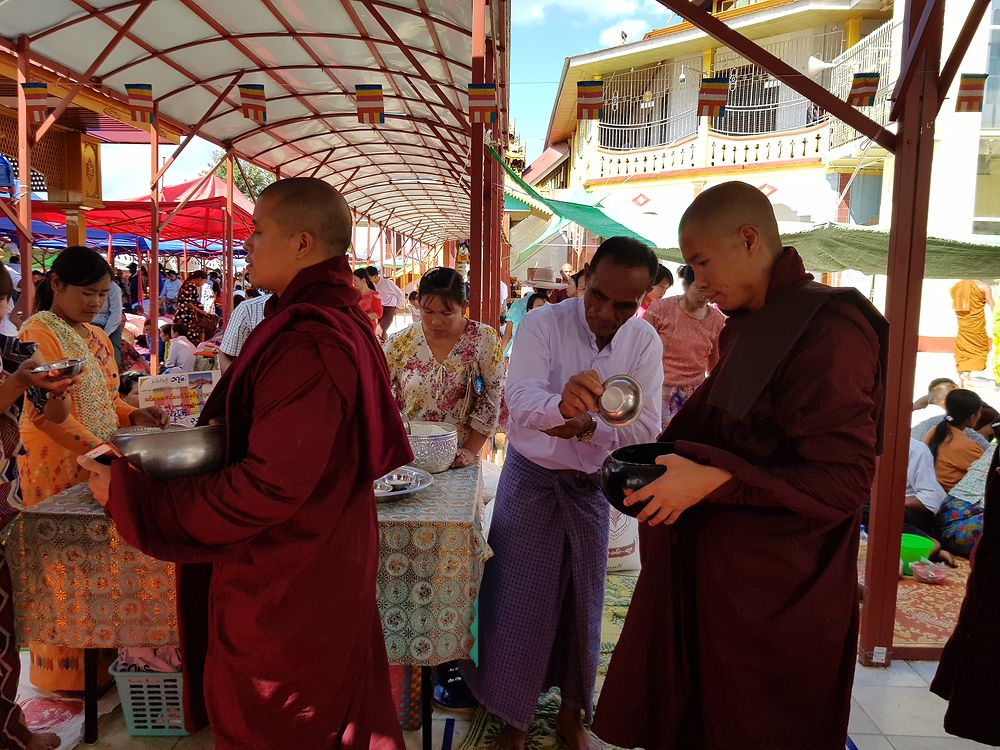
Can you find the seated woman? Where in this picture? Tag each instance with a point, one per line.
(954, 448)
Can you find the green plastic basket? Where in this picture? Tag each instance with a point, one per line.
(153, 702)
(913, 548)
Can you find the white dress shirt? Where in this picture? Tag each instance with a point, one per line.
(553, 344)
(245, 318)
(390, 294)
(921, 481)
(181, 356)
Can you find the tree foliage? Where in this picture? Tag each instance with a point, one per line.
(259, 178)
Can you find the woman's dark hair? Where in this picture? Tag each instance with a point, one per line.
(577, 276)
(686, 274)
(663, 274)
(166, 329)
(128, 381)
(179, 328)
(76, 266)
(413, 296)
(195, 275)
(6, 284)
(961, 405)
(362, 273)
(446, 283)
(533, 298)
(626, 252)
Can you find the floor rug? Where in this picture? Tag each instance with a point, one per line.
(542, 734)
(926, 615)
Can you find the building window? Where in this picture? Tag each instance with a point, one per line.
(753, 102)
(991, 98)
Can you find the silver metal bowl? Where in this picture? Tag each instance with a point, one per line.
(621, 402)
(434, 445)
(402, 481)
(61, 368)
(173, 453)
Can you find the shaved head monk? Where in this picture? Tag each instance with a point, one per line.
(743, 629)
(281, 636)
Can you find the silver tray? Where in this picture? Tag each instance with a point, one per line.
(402, 481)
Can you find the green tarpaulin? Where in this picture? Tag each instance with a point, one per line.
(510, 203)
(591, 218)
(830, 249)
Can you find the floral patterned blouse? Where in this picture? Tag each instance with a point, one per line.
(433, 391)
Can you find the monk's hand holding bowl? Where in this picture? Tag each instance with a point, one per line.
(684, 484)
(580, 394)
(100, 478)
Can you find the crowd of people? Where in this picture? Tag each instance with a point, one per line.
(767, 387)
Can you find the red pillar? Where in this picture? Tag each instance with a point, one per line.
(477, 249)
(154, 247)
(227, 262)
(907, 251)
(26, 302)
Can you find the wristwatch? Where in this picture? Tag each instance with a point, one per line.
(587, 435)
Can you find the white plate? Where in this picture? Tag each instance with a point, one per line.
(414, 479)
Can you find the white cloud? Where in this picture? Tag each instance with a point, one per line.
(633, 27)
(533, 11)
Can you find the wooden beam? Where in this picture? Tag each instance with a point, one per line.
(781, 70)
(911, 52)
(26, 302)
(154, 247)
(962, 42)
(478, 238)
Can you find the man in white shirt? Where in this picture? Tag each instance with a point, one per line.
(180, 358)
(391, 296)
(171, 287)
(244, 319)
(542, 595)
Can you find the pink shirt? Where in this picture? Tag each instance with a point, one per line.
(690, 346)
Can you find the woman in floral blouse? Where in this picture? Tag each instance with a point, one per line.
(446, 368)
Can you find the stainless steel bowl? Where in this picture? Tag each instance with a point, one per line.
(621, 402)
(434, 445)
(61, 368)
(173, 453)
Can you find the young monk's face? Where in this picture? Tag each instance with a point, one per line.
(271, 248)
(730, 268)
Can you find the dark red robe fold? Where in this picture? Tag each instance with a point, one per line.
(970, 666)
(743, 629)
(280, 630)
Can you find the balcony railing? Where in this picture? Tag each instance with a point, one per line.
(871, 54)
(681, 155)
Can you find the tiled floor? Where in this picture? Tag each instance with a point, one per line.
(892, 709)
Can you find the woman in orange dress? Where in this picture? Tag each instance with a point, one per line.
(969, 299)
(69, 297)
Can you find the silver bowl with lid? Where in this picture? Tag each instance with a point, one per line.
(621, 402)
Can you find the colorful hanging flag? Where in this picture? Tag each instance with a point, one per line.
(253, 101)
(37, 98)
(140, 101)
(371, 103)
(713, 95)
(590, 100)
(970, 92)
(864, 87)
(483, 102)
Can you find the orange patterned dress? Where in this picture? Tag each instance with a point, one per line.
(49, 465)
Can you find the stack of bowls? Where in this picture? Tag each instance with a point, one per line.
(434, 445)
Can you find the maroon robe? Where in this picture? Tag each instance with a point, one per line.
(743, 629)
(280, 631)
(970, 664)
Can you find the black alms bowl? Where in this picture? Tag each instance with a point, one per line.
(632, 468)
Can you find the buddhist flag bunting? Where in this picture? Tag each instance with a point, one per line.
(483, 102)
(37, 98)
(863, 90)
(253, 101)
(970, 92)
(713, 94)
(371, 103)
(140, 101)
(590, 100)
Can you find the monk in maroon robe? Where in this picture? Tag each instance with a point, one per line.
(967, 675)
(278, 552)
(743, 629)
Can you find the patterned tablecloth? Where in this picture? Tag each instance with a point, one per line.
(77, 583)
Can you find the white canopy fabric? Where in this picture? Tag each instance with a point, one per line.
(411, 173)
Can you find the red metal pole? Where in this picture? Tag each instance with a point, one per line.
(227, 263)
(907, 251)
(477, 251)
(154, 246)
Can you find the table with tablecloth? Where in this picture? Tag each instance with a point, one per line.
(78, 584)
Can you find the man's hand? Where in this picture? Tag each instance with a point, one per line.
(580, 394)
(100, 478)
(571, 428)
(684, 484)
(47, 380)
(150, 416)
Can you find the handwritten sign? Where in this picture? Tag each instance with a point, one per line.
(181, 395)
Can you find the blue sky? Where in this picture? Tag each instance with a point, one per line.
(545, 32)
